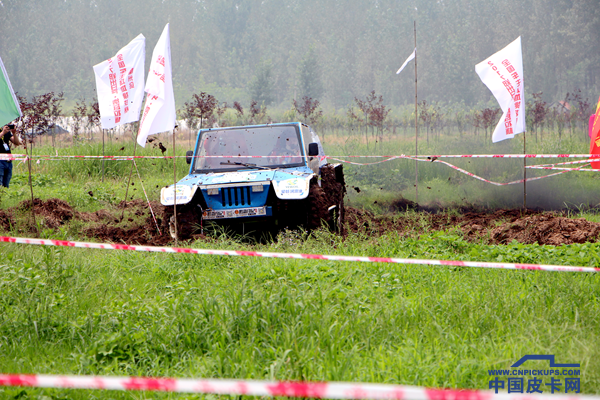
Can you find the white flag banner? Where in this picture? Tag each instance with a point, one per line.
(119, 83)
(159, 111)
(411, 57)
(502, 73)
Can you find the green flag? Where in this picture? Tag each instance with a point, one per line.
(9, 105)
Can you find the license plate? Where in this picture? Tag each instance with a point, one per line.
(236, 213)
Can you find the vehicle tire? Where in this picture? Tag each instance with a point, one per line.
(316, 207)
(333, 185)
(188, 221)
(290, 214)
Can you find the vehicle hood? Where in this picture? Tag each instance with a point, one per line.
(291, 183)
(246, 176)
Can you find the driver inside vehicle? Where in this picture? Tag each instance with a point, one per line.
(286, 150)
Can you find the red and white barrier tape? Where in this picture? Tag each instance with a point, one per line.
(563, 169)
(390, 158)
(362, 164)
(594, 156)
(503, 183)
(13, 157)
(246, 253)
(318, 390)
(125, 157)
(487, 180)
(563, 163)
(545, 166)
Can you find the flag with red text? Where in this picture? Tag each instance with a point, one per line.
(119, 83)
(502, 73)
(159, 110)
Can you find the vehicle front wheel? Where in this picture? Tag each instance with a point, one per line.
(188, 221)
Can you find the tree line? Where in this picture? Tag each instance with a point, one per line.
(274, 52)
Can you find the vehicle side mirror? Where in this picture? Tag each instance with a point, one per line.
(188, 156)
(313, 149)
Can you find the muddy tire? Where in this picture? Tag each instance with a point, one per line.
(316, 207)
(188, 221)
(325, 203)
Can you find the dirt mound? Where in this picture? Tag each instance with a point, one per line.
(6, 220)
(113, 228)
(144, 234)
(98, 216)
(493, 227)
(54, 212)
(546, 229)
(104, 225)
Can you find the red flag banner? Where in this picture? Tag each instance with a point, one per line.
(595, 142)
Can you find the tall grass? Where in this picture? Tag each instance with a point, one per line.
(76, 311)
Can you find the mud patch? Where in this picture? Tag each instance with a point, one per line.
(7, 220)
(54, 212)
(491, 227)
(144, 234)
(546, 229)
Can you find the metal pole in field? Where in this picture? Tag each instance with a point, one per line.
(416, 125)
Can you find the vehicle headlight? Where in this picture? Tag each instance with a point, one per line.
(212, 191)
(257, 188)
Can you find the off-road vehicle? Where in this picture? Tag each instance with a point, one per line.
(256, 178)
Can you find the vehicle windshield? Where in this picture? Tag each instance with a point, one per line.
(259, 147)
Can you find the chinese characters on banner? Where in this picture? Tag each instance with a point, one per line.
(502, 73)
(119, 82)
(159, 110)
(536, 385)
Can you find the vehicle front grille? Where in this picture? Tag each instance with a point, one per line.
(235, 196)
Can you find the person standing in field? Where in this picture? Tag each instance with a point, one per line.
(8, 136)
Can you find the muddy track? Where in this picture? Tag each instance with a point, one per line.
(138, 225)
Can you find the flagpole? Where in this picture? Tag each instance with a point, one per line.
(416, 126)
(129, 180)
(103, 155)
(30, 183)
(175, 190)
(524, 175)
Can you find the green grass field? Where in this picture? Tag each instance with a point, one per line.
(77, 311)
